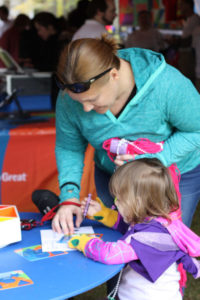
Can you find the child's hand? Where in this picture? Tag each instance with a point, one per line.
(99, 212)
(94, 207)
(79, 242)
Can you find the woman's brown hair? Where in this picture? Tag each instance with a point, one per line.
(83, 59)
(144, 188)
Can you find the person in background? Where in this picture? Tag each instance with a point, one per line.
(29, 45)
(153, 242)
(186, 61)
(99, 14)
(146, 36)
(42, 43)
(41, 46)
(191, 19)
(46, 25)
(196, 45)
(10, 40)
(76, 18)
(191, 39)
(5, 23)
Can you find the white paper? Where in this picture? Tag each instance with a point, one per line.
(53, 241)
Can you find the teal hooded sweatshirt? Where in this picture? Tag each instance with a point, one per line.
(165, 108)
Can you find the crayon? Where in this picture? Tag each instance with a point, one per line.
(87, 205)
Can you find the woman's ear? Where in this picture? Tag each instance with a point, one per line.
(114, 73)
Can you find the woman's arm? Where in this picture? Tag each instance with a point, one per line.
(180, 109)
(70, 149)
(178, 104)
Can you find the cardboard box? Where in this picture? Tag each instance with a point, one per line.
(10, 227)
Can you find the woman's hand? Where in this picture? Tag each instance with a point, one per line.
(63, 220)
(120, 159)
(94, 207)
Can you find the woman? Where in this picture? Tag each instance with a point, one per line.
(130, 94)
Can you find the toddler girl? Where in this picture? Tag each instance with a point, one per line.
(154, 239)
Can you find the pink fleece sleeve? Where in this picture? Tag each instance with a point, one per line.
(110, 253)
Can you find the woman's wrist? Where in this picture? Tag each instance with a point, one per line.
(71, 202)
(68, 192)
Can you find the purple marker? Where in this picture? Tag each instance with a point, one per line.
(87, 205)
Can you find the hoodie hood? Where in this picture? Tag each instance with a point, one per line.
(146, 65)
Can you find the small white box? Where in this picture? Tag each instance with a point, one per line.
(10, 226)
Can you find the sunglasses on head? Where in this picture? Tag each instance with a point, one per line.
(79, 87)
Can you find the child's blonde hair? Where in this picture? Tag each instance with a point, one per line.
(144, 188)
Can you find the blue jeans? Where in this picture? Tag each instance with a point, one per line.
(189, 188)
(190, 194)
(101, 182)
